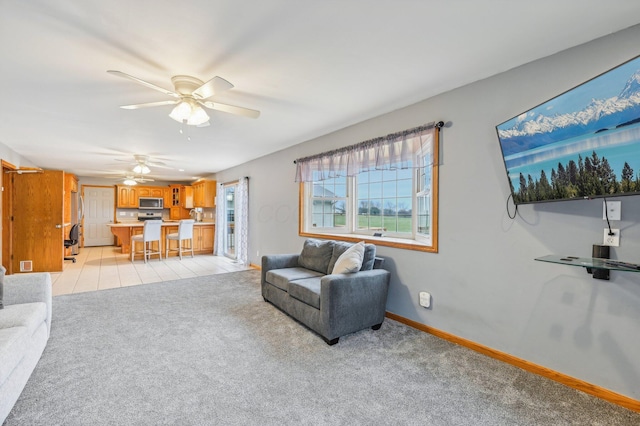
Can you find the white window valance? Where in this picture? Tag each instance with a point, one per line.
(394, 151)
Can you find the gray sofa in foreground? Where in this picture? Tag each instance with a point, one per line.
(25, 324)
(333, 305)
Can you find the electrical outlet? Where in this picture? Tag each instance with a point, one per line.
(611, 209)
(612, 240)
(425, 299)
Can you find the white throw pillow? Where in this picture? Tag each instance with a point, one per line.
(350, 260)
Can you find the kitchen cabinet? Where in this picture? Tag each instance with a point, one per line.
(203, 238)
(181, 201)
(204, 193)
(151, 191)
(127, 197)
(186, 197)
(167, 195)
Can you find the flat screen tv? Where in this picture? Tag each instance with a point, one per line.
(584, 143)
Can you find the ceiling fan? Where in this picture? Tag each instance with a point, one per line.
(190, 95)
(142, 164)
(130, 179)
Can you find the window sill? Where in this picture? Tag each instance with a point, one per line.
(399, 243)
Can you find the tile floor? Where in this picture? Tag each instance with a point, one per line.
(99, 268)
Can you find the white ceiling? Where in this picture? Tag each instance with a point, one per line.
(311, 67)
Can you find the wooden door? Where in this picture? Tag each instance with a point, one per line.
(38, 221)
(7, 209)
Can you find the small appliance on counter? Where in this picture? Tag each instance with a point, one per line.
(197, 214)
(149, 216)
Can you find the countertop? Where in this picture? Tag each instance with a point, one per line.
(135, 223)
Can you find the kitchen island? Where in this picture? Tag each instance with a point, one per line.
(203, 235)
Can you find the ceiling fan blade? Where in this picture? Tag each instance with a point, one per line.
(149, 104)
(232, 109)
(212, 87)
(159, 165)
(144, 83)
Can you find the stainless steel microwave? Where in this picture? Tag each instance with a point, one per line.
(150, 203)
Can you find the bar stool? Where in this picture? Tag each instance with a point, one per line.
(185, 232)
(150, 233)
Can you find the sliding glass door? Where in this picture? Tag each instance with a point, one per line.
(229, 219)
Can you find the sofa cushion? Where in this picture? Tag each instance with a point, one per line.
(316, 255)
(350, 261)
(340, 247)
(369, 257)
(14, 344)
(306, 290)
(29, 315)
(281, 277)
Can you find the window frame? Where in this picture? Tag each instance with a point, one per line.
(414, 243)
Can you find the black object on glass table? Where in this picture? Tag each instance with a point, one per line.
(599, 252)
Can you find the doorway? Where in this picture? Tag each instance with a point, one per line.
(229, 220)
(97, 204)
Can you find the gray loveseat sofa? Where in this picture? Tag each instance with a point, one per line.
(332, 305)
(25, 324)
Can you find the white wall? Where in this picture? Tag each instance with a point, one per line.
(10, 156)
(485, 283)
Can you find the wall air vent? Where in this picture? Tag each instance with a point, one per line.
(26, 266)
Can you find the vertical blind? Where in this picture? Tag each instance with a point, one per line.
(394, 151)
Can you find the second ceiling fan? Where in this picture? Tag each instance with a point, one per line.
(190, 95)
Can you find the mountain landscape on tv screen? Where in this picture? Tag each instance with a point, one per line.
(535, 129)
(583, 143)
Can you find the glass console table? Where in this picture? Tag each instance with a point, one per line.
(592, 263)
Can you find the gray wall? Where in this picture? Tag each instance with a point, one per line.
(485, 284)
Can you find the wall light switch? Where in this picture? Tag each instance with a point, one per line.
(612, 209)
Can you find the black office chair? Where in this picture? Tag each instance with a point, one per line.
(72, 241)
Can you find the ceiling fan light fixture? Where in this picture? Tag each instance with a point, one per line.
(181, 112)
(198, 116)
(129, 182)
(189, 112)
(141, 169)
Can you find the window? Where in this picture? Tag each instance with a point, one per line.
(328, 203)
(393, 203)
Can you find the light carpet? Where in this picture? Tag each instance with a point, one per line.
(210, 351)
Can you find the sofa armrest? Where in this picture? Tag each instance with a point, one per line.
(278, 261)
(29, 288)
(351, 302)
